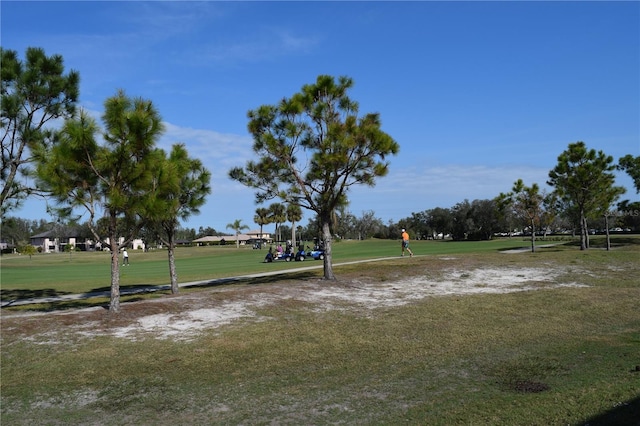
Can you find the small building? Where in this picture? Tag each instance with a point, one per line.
(248, 238)
(6, 247)
(208, 240)
(136, 244)
(257, 235)
(53, 242)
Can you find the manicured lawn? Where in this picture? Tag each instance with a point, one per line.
(81, 272)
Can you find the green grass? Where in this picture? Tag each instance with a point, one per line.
(547, 357)
(62, 273)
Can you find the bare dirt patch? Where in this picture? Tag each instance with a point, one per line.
(184, 317)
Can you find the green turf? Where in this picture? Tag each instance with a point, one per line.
(82, 272)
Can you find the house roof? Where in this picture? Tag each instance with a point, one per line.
(207, 239)
(256, 232)
(44, 234)
(217, 238)
(62, 233)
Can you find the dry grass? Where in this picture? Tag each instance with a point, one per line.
(545, 338)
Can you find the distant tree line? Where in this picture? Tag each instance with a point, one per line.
(584, 201)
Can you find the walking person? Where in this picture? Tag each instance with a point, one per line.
(125, 257)
(405, 243)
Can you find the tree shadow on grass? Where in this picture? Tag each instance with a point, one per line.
(624, 414)
(594, 242)
(128, 289)
(19, 294)
(45, 300)
(51, 302)
(540, 247)
(267, 279)
(67, 305)
(601, 242)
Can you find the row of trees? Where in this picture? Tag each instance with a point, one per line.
(278, 213)
(583, 193)
(16, 231)
(115, 172)
(583, 199)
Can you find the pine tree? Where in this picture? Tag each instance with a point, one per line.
(313, 147)
(580, 179)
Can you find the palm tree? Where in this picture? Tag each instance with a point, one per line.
(262, 218)
(277, 215)
(237, 226)
(294, 214)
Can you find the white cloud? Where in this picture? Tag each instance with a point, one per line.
(208, 144)
(266, 46)
(413, 189)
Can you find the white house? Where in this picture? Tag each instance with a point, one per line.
(248, 238)
(136, 244)
(53, 242)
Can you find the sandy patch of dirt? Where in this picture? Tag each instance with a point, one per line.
(184, 317)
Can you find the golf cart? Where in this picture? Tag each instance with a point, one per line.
(318, 250)
(287, 255)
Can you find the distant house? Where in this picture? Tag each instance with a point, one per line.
(248, 238)
(54, 241)
(136, 244)
(256, 235)
(5, 246)
(208, 240)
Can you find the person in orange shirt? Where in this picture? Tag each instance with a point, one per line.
(405, 243)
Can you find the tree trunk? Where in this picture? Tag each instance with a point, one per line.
(173, 274)
(583, 234)
(114, 304)
(533, 236)
(606, 225)
(172, 271)
(293, 236)
(585, 226)
(326, 237)
(261, 243)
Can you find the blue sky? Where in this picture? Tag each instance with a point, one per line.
(477, 94)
